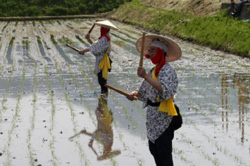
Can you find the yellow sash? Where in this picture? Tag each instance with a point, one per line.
(105, 64)
(167, 105)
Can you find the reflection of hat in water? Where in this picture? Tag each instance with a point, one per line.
(107, 24)
(170, 47)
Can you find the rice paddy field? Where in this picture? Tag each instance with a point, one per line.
(51, 113)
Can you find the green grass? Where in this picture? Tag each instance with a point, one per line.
(218, 32)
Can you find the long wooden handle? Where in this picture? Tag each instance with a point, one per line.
(73, 48)
(92, 28)
(118, 90)
(142, 49)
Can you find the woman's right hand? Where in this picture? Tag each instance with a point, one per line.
(132, 95)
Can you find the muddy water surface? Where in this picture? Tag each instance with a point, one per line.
(51, 112)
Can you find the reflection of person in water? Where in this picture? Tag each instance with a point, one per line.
(104, 133)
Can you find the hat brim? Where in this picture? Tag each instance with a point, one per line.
(173, 53)
(106, 24)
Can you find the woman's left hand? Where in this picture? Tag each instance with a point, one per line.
(141, 72)
(81, 52)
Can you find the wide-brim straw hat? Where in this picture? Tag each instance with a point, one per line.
(107, 24)
(173, 49)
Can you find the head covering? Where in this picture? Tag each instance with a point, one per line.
(159, 60)
(104, 32)
(107, 24)
(172, 49)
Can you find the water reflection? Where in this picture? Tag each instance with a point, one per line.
(104, 132)
(241, 82)
(224, 101)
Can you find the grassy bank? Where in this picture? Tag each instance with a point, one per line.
(217, 32)
(28, 8)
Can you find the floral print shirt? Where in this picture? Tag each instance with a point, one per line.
(157, 122)
(98, 48)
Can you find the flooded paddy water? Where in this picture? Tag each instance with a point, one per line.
(50, 101)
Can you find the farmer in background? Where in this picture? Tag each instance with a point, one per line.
(156, 92)
(238, 7)
(101, 50)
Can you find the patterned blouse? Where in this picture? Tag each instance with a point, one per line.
(157, 122)
(98, 48)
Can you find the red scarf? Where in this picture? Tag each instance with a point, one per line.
(104, 32)
(159, 59)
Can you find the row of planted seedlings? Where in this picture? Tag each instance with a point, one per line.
(6, 41)
(14, 118)
(31, 64)
(33, 117)
(7, 73)
(51, 100)
(86, 162)
(213, 141)
(6, 94)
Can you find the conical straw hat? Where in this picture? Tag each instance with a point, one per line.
(173, 49)
(107, 24)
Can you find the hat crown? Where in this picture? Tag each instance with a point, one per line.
(173, 49)
(107, 24)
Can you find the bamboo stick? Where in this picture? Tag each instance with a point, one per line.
(73, 48)
(118, 90)
(92, 27)
(142, 49)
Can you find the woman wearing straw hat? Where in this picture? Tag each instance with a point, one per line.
(156, 92)
(101, 50)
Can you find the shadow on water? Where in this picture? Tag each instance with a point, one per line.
(103, 133)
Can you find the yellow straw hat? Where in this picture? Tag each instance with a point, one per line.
(170, 47)
(107, 24)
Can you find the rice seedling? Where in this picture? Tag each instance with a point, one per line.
(32, 120)
(14, 118)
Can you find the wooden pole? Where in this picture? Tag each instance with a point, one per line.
(142, 49)
(92, 27)
(73, 48)
(118, 90)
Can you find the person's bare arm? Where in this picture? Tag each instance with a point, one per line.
(155, 83)
(87, 36)
(83, 51)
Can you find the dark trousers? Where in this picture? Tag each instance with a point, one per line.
(102, 82)
(162, 148)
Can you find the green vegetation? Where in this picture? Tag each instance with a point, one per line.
(217, 32)
(10, 8)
